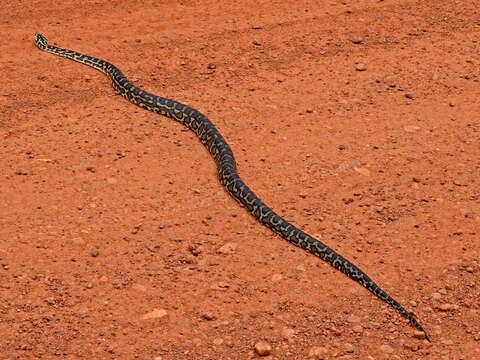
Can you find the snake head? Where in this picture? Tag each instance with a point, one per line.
(41, 41)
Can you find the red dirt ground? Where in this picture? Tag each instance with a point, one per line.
(356, 120)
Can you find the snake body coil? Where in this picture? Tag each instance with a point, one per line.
(227, 172)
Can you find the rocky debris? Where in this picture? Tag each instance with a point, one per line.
(194, 249)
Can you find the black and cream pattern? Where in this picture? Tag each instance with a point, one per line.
(227, 172)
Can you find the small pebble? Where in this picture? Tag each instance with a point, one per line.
(208, 316)
(410, 128)
(276, 277)
(317, 352)
(218, 341)
(337, 226)
(409, 95)
(220, 286)
(451, 103)
(386, 349)
(262, 348)
(354, 319)
(78, 241)
(155, 314)
(362, 171)
(358, 329)
(349, 348)
(361, 67)
(356, 39)
(94, 253)
(228, 248)
(21, 172)
(336, 331)
(436, 296)
(139, 287)
(288, 333)
(300, 267)
(447, 307)
(418, 335)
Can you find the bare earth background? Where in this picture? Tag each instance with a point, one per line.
(356, 120)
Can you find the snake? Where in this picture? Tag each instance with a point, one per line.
(227, 170)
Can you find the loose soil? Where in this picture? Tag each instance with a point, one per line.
(356, 120)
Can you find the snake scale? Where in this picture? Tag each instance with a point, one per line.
(227, 171)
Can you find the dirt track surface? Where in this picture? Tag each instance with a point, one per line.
(357, 121)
